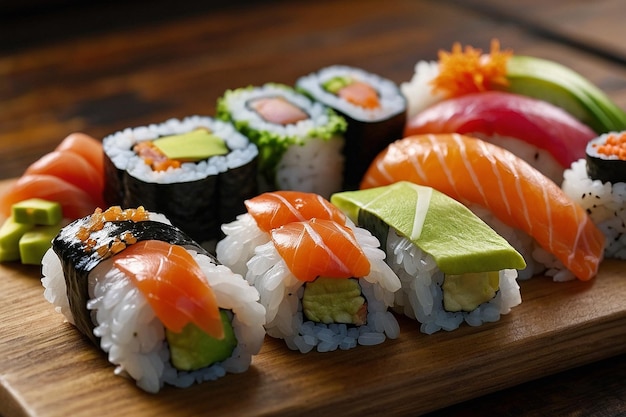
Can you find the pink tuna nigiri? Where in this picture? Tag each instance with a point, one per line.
(473, 171)
(173, 284)
(320, 248)
(521, 124)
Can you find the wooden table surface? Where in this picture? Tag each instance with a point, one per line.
(68, 66)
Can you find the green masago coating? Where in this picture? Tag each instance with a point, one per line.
(456, 238)
(334, 300)
(193, 349)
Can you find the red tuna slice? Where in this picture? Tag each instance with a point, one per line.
(491, 113)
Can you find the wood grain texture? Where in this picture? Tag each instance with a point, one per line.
(49, 369)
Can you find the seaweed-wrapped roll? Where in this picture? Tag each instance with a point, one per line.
(196, 171)
(163, 309)
(373, 106)
(300, 141)
(453, 267)
(598, 184)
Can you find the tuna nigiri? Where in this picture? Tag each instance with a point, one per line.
(265, 212)
(542, 134)
(482, 175)
(324, 285)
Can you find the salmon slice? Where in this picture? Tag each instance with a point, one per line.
(278, 110)
(274, 209)
(87, 147)
(75, 202)
(71, 167)
(473, 171)
(360, 94)
(320, 247)
(174, 285)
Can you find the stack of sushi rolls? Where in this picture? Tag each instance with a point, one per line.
(598, 183)
(453, 267)
(300, 141)
(323, 281)
(162, 308)
(373, 106)
(196, 171)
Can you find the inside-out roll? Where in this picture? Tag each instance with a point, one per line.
(300, 141)
(453, 267)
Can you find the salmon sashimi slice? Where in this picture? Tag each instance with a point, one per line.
(274, 209)
(75, 202)
(87, 147)
(71, 167)
(473, 171)
(320, 247)
(278, 110)
(173, 284)
(360, 94)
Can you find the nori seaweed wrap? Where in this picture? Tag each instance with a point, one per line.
(196, 171)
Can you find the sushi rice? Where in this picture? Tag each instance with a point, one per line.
(421, 296)
(605, 203)
(281, 293)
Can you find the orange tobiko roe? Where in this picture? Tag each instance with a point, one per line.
(614, 145)
(470, 71)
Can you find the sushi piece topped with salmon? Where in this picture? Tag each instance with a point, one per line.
(266, 212)
(162, 308)
(553, 233)
(323, 282)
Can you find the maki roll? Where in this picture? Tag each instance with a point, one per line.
(325, 286)
(196, 171)
(598, 184)
(300, 141)
(164, 310)
(373, 106)
(453, 267)
(265, 212)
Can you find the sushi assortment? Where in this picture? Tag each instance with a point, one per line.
(315, 213)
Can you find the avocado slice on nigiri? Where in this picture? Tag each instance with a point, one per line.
(555, 83)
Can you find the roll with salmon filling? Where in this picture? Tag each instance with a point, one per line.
(373, 106)
(164, 310)
(296, 137)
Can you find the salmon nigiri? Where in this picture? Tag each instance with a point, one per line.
(478, 173)
(265, 212)
(173, 284)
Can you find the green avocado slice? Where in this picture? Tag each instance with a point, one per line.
(193, 349)
(552, 82)
(334, 300)
(192, 146)
(458, 240)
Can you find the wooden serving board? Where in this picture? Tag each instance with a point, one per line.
(48, 369)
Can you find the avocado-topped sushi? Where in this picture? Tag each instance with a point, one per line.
(453, 267)
(164, 310)
(300, 141)
(196, 171)
(373, 106)
(598, 184)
